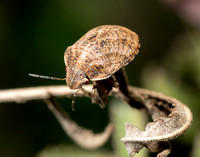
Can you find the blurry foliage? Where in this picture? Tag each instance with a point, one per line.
(72, 151)
(34, 36)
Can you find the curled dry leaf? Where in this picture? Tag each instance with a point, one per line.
(170, 117)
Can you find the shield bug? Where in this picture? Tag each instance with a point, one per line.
(98, 55)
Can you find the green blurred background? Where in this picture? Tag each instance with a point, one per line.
(33, 37)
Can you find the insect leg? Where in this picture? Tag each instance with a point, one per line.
(85, 91)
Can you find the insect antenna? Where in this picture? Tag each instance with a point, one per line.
(73, 99)
(74, 96)
(46, 77)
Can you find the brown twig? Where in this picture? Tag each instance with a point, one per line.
(170, 117)
(83, 137)
(21, 95)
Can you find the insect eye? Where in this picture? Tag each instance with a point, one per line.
(86, 82)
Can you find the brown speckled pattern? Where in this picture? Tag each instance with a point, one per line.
(100, 53)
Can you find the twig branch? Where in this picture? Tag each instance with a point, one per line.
(171, 118)
(21, 95)
(83, 137)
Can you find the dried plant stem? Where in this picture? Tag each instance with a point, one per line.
(83, 137)
(21, 95)
(171, 118)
